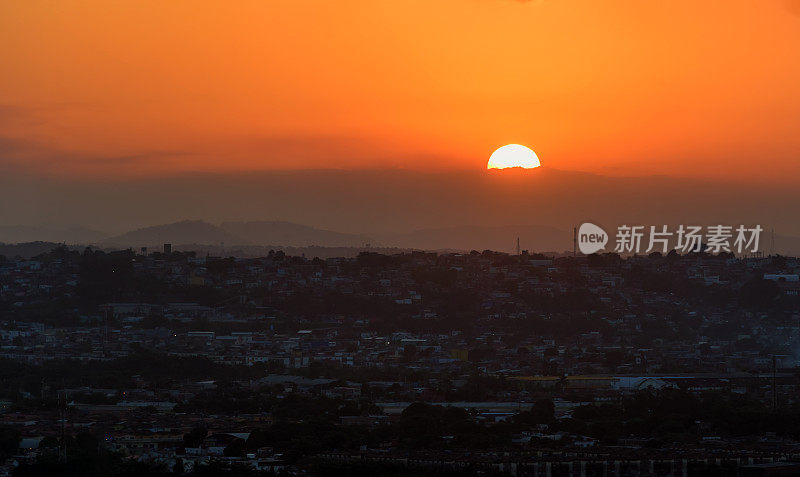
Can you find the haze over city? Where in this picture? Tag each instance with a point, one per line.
(386, 206)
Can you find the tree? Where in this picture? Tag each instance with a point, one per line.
(195, 437)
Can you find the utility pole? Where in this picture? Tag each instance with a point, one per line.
(574, 241)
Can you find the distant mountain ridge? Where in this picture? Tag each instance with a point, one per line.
(288, 233)
(183, 232)
(281, 234)
(28, 249)
(44, 233)
(235, 233)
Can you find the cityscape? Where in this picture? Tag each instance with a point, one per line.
(527, 364)
(368, 238)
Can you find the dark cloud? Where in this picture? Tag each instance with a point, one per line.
(23, 155)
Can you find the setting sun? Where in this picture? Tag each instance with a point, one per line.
(513, 155)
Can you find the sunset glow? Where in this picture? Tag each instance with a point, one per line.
(152, 88)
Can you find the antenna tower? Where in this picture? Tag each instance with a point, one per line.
(574, 241)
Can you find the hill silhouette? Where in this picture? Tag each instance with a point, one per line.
(183, 232)
(291, 234)
(43, 233)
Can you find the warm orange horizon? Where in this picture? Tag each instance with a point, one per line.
(621, 88)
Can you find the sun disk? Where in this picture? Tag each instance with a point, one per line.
(513, 155)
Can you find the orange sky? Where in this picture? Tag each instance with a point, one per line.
(148, 88)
